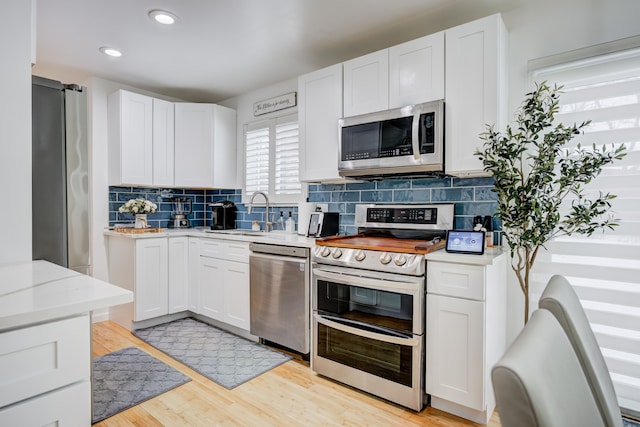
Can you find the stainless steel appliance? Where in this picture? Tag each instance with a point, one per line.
(223, 215)
(60, 177)
(181, 208)
(368, 293)
(279, 295)
(405, 140)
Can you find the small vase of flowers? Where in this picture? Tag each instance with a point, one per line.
(140, 208)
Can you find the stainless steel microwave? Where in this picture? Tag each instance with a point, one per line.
(405, 140)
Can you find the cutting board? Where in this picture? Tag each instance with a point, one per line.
(388, 244)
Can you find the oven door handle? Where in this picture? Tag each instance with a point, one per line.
(366, 282)
(338, 324)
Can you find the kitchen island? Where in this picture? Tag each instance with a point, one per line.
(45, 342)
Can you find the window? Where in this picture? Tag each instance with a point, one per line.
(271, 159)
(605, 268)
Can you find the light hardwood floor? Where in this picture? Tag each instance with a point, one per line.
(289, 395)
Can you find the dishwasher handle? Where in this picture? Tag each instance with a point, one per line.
(290, 251)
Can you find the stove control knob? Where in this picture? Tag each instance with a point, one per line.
(385, 258)
(325, 252)
(400, 260)
(336, 253)
(360, 256)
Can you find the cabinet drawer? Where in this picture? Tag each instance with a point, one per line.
(70, 406)
(225, 249)
(456, 280)
(41, 358)
(237, 251)
(211, 248)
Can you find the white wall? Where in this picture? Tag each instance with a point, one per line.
(15, 131)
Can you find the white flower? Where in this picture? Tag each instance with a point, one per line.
(138, 205)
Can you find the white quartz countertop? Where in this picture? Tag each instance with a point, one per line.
(274, 237)
(489, 256)
(39, 291)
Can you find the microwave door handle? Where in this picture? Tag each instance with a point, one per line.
(415, 133)
(364, 333)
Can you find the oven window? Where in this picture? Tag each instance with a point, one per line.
(385, 360)
(380, 308)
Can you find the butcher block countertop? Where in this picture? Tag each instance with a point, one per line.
(388, 244)
(38, 291)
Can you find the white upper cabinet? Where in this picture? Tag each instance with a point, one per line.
(163, 144)
(366, 84)
(475, 90)
(130, 135)
(205, 146)
(319, 109)
(416, 71)
(406, 74)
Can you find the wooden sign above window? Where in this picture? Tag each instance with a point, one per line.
(274, 104)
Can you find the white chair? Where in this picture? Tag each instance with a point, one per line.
(561, 300)
(539, 382)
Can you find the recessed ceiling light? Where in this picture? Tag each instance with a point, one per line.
(163, 17)
(110, 51)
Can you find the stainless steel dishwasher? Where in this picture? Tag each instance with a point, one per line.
(279, 284)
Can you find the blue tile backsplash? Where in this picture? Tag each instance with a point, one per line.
(472, 197)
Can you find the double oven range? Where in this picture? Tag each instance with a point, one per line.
(368, 299)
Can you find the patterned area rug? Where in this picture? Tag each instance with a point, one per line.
(630, 423)
(127, 377)
(218, 355)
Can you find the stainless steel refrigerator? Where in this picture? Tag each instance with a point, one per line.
(60, 174)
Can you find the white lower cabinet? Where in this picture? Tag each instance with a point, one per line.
(223, 281)
(151, 278)
(181, 274)
(156, 269)
(465, 331)
(178, 297)
(53, 362)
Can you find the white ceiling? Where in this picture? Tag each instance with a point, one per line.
(223, 48)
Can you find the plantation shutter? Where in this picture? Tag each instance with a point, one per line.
(286, 159)
(605, 267)
(257, 159)
(272, 159)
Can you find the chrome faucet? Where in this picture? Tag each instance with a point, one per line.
(267, 223)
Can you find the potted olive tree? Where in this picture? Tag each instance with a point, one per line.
(535, 173)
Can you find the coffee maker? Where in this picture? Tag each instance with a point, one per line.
(181, 208)
(223, 215)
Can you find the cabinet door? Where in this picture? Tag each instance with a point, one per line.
(455, 350)
(163, 143)
(319, 109)
(416, 71)
(366, 84)
(193, 285)
(130, 137)
(151, 278)
(236, 294)
(178, 274)
(211, 283)
(224, 148)
(194, 131)
(475, 88)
